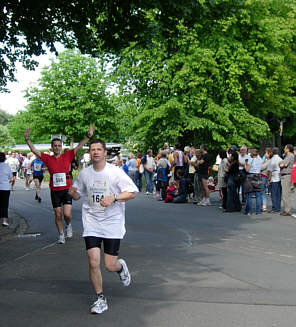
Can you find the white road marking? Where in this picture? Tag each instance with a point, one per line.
(189, 238)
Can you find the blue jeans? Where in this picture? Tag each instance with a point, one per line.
(263, 193)
(149, 181)
(276, 195)
(248, 208)
(138, 180)
(180, 199)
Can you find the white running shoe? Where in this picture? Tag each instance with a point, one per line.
(61, 239)
(124, 276)
(69, 231)
(100, 305)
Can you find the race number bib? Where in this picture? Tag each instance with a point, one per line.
(96, 193)
(59, 179)
(28, 171)
(37, 166)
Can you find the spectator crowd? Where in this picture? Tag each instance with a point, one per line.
(242, 177)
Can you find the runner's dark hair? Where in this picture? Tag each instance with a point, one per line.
(290, 147)
(2, 157)
(55, 139)
(98, 141)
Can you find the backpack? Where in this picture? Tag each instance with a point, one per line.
(189, 186)
(144, 160)
(162, 174)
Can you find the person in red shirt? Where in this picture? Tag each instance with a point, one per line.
(60, 181)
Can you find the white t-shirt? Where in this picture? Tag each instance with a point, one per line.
(256, 164)
(150, 163)
(242, 160)
(27, 166)
(218, 160)
(274, 167)
(92, 185)
(5, 176)
(86, 157)
(192, 168)
(13, 163)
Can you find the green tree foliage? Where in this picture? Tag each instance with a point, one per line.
(28, 27)
(217, 81)
(5, 138)
(19, 123)
(71, 94)
(4, 117)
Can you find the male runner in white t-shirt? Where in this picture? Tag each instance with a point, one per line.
(28, 174)
(105, 188)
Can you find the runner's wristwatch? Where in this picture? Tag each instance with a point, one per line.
(115, 198)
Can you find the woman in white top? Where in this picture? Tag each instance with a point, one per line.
(5, 178)
(254, 180)
(222, 185)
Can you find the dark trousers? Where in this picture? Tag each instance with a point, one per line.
(243, 176)
(161, 187)
(276, 195)
(180, 199)
(4, 203)
(224, 197)
(138, 180)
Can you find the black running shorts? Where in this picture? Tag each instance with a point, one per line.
(59, 198)
(40, 178)
(111, 245)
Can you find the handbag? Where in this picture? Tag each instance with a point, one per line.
(248, 187)
(141, 169)
(252, 183)
(256, 183)
(215, 167)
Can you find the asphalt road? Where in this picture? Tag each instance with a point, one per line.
(190, 266)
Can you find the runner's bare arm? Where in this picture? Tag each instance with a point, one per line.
(85, 140)
(30, 144)
(73, 193)
(122, 197)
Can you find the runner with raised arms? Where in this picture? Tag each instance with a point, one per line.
(60, 181)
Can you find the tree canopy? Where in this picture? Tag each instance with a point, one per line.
(5, 138)
(4, 117)
(28, 27)
(218, 81)
(218, 71)
(71, 94)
